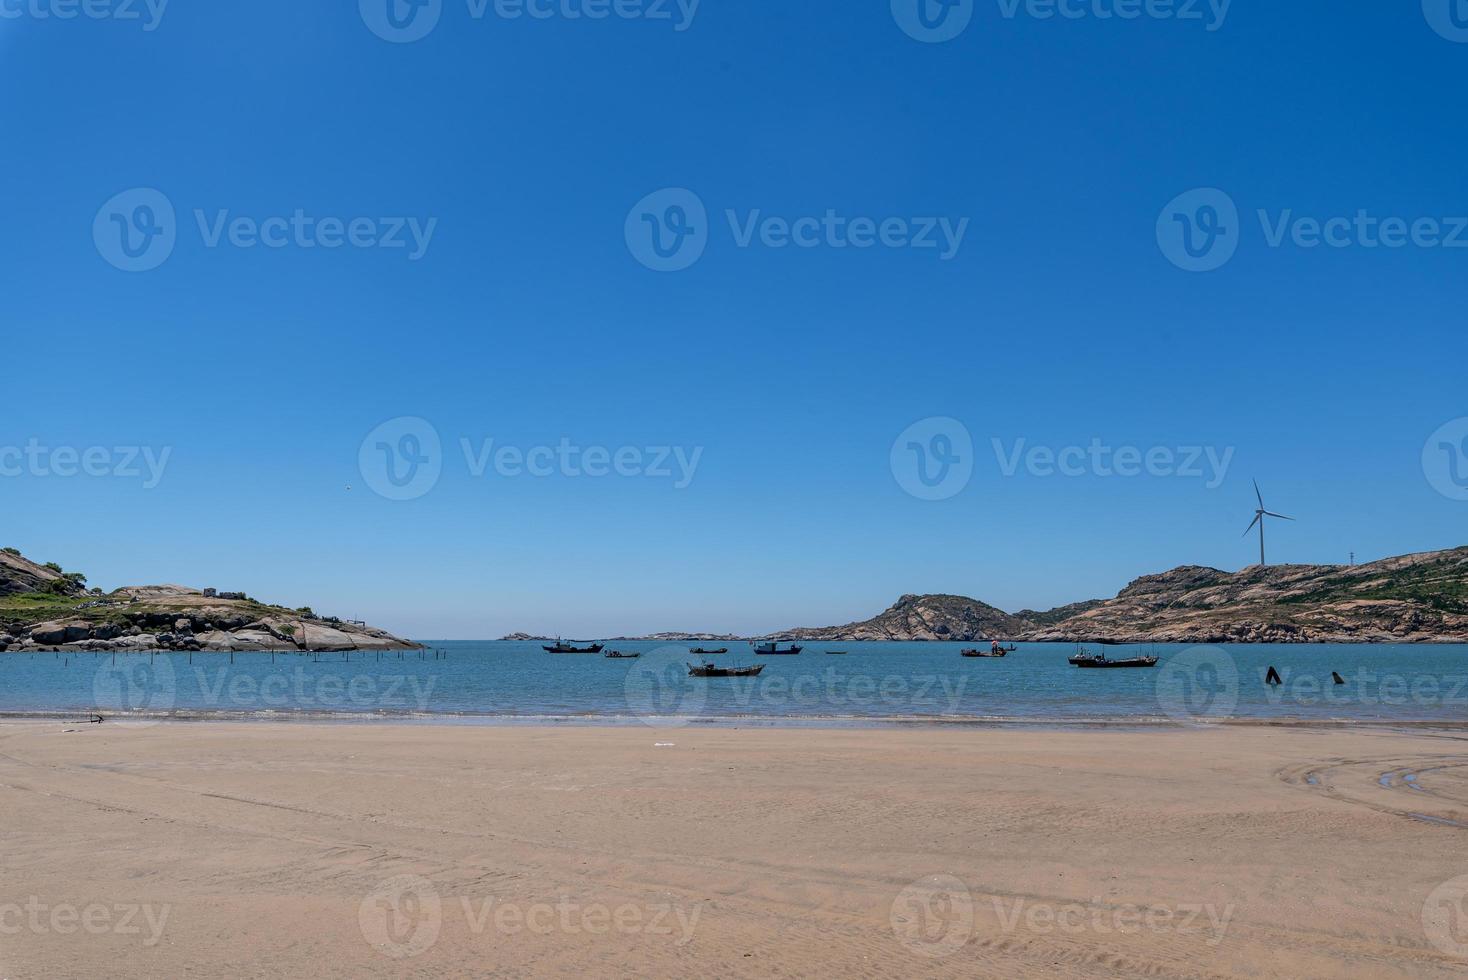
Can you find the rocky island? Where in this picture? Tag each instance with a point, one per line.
(1421, 598)
(43, 607)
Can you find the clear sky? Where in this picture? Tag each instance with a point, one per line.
(1057, 310)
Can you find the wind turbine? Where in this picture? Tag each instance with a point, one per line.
(1259, 516)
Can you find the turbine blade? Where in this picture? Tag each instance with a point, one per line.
(1258, 494)
(1251, 525)
(1269, 513)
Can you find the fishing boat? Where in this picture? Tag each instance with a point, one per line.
(772, 649)
(563, 647)
(1083, 658)
(835, 653)
(615, 655)
(700, 651)
(709, 670)
(983, 653)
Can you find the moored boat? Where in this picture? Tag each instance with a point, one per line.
(709, 670)
(700, 651)
(772, 649)
(616, 655)
(563, 647)
(1084, 658)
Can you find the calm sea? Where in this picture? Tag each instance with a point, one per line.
(476, 682)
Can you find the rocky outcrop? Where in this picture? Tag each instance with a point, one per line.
(19, 575)
(921, 617)
(1409, 599)
(1412, 598)
(161, 617)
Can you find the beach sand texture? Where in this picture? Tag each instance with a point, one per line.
(378, 850)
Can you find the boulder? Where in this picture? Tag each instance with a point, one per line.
(54, 634)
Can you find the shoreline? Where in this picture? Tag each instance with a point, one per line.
(715, 722)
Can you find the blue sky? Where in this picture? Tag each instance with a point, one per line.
(530, 316)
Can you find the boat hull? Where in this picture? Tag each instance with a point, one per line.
(1098, 664)
(709, 671)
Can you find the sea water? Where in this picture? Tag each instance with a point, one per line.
(481, 681)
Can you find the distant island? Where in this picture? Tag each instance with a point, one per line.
(1421, 598)
(43, 607)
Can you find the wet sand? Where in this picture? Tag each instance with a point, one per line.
(374, 850)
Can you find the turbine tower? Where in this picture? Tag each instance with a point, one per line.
(1259, 516)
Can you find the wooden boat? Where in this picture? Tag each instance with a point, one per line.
(1101, 660)
(1083, 658)
(709, 670)
(773, 650)
(983, 653)
(614, 655)
(700, 651)
(562, 647)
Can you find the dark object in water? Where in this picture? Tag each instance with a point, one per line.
(572, 648)
(1101, 660)
(709, 670)
(708, 653)
(987, 653)
(773, 650)
(835, 653)
(1272, 677)
(1337, 677)
(614, 655)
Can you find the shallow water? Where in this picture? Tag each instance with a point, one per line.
(875, 682)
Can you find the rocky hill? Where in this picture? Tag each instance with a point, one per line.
(44, 608)
(921, 617)
(1413, 598)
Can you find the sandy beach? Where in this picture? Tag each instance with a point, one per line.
(358, 850)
